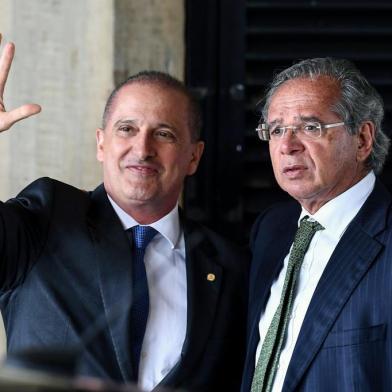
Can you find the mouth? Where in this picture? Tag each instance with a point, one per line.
(143, 170)
(294, 171)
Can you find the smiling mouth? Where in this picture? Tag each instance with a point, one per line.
(143, 170)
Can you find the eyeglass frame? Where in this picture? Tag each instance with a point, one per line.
(264, 133)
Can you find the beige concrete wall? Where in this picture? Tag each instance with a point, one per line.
(149, 34)
(69, 53)
(63, 62)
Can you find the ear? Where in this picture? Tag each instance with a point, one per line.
(100, 137)
(197, 152)
(365, 139)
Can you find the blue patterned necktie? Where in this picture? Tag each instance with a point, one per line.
(272, 346)
(141, 236)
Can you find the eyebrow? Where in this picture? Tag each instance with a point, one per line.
(124, 122)
(310, 118)
(165, 125)
(279, 121)
(135, 122)
(275, 122)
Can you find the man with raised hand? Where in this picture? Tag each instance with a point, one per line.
(70, 257)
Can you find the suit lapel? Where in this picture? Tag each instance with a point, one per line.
(267, 272)
(267, 262)
(204, 278)
(350, 261)
(113, 252)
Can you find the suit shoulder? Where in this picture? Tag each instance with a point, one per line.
(208, 234)
(41, 193)
(47, 185)
(275, 216)
(215, 245)
(280, 210)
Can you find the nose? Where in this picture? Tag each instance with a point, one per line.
(290, 143)
(143, 146)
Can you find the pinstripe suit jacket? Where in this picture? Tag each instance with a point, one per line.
(345, 343)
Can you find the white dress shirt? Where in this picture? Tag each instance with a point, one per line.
(166, 275)
(334, 216)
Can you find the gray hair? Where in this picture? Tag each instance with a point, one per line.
(163, 80)
(358, 102)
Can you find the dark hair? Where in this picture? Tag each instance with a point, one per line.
(164, 80)
(358, 101)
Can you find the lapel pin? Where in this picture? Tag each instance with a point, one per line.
(210, 277)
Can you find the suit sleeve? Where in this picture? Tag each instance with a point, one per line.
(24, 223)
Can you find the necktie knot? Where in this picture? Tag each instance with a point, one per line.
(142, 235)
(311, 224)
(305, 233)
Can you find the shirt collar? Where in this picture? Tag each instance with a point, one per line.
(168, 226)
(336, 215)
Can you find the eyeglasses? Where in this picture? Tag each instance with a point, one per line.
(308, 129)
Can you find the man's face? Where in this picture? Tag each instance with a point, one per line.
(313, 171)
(146, 150)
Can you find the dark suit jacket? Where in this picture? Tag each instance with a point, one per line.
(65, 262)
(345, 343)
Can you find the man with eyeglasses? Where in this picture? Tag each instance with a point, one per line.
(320, 306)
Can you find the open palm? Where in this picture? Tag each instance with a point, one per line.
(8, 118)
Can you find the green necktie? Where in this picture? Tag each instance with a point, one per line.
(270, 351)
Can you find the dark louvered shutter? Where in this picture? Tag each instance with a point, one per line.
(275, 34)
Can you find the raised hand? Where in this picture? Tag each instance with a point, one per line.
(7, 119)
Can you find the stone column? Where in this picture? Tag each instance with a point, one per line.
(63, 62)
(149, 34)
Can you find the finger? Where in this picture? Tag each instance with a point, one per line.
(5, 65)
(8, 119)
